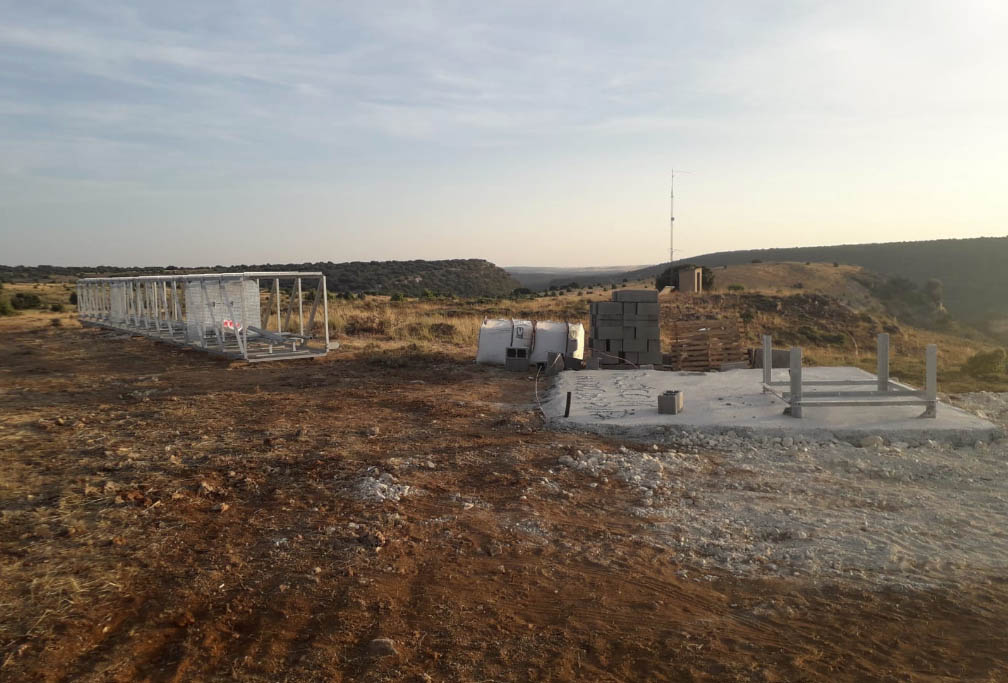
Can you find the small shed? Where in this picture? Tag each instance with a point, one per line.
(689, 279)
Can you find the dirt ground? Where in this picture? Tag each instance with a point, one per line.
(170, 517)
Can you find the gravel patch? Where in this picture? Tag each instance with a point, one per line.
(894, 514)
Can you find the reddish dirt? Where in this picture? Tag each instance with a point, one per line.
(169, 517)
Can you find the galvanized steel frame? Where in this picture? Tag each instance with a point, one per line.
(154, 306)
(887, 392)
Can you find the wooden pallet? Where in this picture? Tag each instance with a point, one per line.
(701, 345)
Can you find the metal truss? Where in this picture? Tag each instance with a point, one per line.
(250, 316)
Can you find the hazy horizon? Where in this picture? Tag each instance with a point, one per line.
(194, 134)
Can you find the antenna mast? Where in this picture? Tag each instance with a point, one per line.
(671, 249)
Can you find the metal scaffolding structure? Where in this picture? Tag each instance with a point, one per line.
(235, 315)
(840, 393)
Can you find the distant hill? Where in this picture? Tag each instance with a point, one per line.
(458, 277)
(538, 277)
(972, 271)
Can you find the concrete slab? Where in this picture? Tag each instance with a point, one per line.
(626, 404)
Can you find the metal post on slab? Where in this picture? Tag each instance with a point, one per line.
(767, 358)
(882, 371)
(796, 377)
(276, 290)
(325, 310)
(300, 309)
(931, 380)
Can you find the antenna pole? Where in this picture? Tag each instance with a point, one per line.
(671, 249)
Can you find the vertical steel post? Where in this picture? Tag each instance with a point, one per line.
(882, 370)
(300, 308)
(276, 289)
(931, 380)
(796, 381)
(242, 333)
(767, 358)
(325, 312)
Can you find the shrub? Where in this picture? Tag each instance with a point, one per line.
(6, 308)
(24, 300)
(56, 322)
(982, 364)
(73, 298)
(56, 308)
(934, 289)
(397, 297)
(735, 288)
(367, 324)
(836, 264)
(443, 331)
(757, 260)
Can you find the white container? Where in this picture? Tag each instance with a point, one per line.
(539, 338)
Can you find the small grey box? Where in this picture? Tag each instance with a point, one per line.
(608, 332)
(609, 308)
(635, 344)
(650, 357)
(647, 309)
(571, 363)
(614, 345)
(670, 403)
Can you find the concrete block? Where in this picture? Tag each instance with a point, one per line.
(779, 358)
(609, 308)
(631, 356)
(640, 320)
(635, 344)
(629, 332)
(592, 363)
(554, 363)
(648, 332)
(571, 363)
(607, 332)
(516, 364)
(670, 403)
(735, 365)
(649, 357)
(654, 346)
(636, 295)
(647, 308)
(614, 346)
(629, 308)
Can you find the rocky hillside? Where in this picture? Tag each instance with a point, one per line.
(971, 271)
(458, 277)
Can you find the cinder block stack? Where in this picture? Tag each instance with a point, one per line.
(626, 329)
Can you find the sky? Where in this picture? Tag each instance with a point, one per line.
(526, 133)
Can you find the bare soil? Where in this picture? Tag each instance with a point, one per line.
(169, 517)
